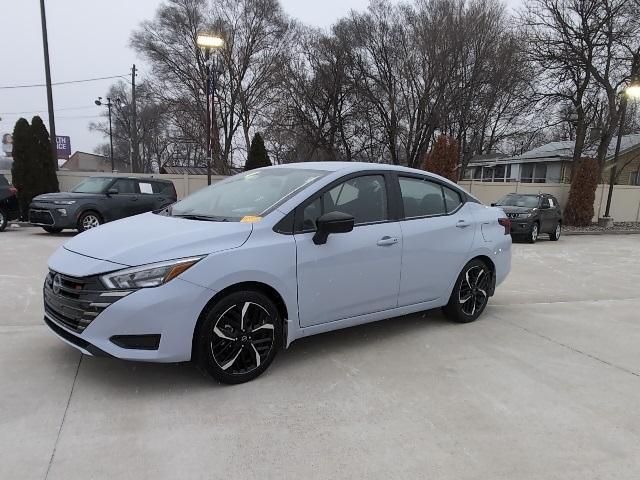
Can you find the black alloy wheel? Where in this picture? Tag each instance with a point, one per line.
(555, 235)
(471, 293)
(239, 337)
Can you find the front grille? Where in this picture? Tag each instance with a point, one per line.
(41, 217)
(76, 302)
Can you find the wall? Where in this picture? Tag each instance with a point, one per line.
(625, 204)
(185, 184)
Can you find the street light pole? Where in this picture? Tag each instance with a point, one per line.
(631, 90)
(99, 103)
(47, 72)
(207, 43)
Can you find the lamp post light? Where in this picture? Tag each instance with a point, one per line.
(108, 104)
(207, 43)
(631, 90)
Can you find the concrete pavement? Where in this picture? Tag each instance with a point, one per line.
(545, 385)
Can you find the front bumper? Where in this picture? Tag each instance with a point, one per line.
(56, 216)
(150, 324)
(521, 226)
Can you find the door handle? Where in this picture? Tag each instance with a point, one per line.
(386, 241)
(462, 224)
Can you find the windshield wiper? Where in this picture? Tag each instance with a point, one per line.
(204, 218)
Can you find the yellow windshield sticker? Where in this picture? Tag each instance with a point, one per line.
(250, 219)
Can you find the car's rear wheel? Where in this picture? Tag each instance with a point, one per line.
(4, 220)
(52, 229)
(239, 337)
(555, 235)
(470, 293)
(532, 236)
(89, 220)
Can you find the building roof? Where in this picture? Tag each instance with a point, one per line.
(556, 151)
(485, 159)
(190, 170)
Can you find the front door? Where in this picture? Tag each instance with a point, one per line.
(125, 202)
(354, 273)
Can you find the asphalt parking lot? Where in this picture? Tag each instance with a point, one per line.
(545, 385)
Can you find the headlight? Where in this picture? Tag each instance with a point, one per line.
(64, 202)
(146, 276)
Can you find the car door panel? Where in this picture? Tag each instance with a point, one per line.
(352, 274)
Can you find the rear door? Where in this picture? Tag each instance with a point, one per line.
(148, 199)
(437, 234)
(354, 273)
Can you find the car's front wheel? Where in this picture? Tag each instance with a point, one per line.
(532, 236)
(239, 337)
(470, 293)
(3, 220)
(89, 220)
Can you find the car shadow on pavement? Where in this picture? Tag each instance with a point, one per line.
(157, 378)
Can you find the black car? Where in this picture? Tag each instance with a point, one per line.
(100, 199)
(9, 209)
(532, 214)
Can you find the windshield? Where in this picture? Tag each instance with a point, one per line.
(528, 201)
(92, 185)
(249, 194)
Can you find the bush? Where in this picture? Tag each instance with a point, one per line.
(258, 156)
(443, 158)
(33, 171)
(584, 182)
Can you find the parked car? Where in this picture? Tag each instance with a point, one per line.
(532, 214)
(230, 274)
(9, 207)
(98, 200)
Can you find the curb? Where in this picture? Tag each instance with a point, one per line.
(608, 232)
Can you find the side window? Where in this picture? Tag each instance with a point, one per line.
(452, 199)
(545, 202)
(125, 185)
(145, 187)
(363, 197)
(421, 197)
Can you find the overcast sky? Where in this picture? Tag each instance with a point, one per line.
(89, 39)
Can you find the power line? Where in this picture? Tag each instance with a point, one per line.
(62, 83)
(44, 110)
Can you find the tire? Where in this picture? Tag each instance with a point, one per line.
(470, 293)
(4, 220)
(239, 337)
(555, 235)
(532, 236)
(52, 229)
(89, 220)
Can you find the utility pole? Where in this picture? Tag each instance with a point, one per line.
(47, 72)
(135, 151)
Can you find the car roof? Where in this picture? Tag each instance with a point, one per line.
(133, 178)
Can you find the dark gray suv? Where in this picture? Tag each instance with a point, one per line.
(100, 199)
(532, 214)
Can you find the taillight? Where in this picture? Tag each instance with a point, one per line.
(506, 223)
(13, 190)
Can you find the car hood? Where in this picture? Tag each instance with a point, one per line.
(150, 238)
(512, 209)
(51, 197)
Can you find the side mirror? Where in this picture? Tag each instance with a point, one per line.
(332, 222)
(112, 191)
(493, 204)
